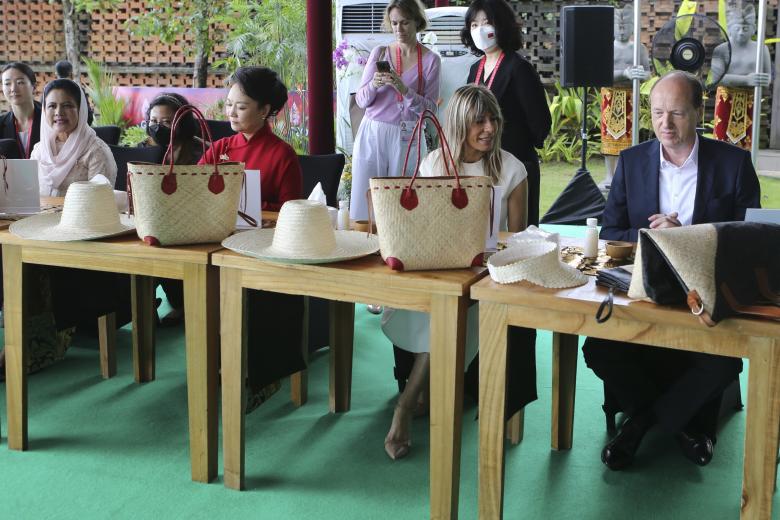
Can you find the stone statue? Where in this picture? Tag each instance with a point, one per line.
(616, 101)
(734, 97)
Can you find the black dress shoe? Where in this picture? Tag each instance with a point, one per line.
(696, 447)
(619, 452)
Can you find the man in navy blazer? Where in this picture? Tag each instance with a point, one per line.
(677, 179)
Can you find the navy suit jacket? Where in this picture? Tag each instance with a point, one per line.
(726, 186)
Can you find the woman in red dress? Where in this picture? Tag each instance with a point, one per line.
(275, 319)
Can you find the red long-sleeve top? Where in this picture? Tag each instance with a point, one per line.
(280, 173)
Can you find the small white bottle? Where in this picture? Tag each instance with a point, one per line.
(343, 218)
(591, 249)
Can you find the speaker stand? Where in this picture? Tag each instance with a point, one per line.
(584, 133)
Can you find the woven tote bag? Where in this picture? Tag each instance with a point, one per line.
(431, 222)
(185, 204)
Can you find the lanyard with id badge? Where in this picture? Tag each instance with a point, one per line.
(407, 126)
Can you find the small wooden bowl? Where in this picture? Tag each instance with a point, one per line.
(362, 225)
(618, 250)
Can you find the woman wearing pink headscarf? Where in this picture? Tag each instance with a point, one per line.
(69, 149)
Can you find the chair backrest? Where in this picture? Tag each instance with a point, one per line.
(109, 134)
(123, 154)
(219, 129)
(326, 169)
(9, 148)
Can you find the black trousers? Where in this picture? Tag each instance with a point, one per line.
(521, 370)
(174, 291)
(274, 336)
(534, 179)
(681, 388)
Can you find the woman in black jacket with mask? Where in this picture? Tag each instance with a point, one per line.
(188, 148)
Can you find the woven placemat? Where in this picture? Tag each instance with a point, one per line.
(573, 256)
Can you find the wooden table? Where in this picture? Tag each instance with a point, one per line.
(443, 294)
(569, 313)
(127, 254)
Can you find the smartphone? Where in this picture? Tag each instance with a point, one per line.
(383, 66)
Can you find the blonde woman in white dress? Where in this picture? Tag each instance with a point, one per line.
(473, 130)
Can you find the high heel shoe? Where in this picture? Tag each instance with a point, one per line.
(397, 442)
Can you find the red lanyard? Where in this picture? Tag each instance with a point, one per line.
(24, 150)
(482, 68)
(400, 69)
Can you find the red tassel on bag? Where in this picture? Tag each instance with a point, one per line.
(409, 199)
(459, 198)
(216, 184)
(169, 184)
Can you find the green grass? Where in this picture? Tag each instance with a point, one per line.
(555, 177)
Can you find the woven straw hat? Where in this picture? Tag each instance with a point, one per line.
(89, 212)
(303, 235)
(538, 262)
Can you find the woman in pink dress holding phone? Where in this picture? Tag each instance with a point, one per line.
(400, 81)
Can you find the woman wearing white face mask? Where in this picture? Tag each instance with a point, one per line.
(491, 31)
(400, 81)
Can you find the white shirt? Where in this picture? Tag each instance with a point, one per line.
(512, 173)
(677, 185)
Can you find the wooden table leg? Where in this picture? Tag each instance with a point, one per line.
(448, 345)
(232, 306)
(15, 346)
(761, 429)
(107, 342)
(342, 332)
(201, 326)
(493, 330)
(299, 381)
(564, 383)
(144, 324)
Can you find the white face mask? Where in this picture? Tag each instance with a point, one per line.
(484, 37)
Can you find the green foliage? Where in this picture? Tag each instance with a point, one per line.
(294, 130)
(345, 184)
(564, 142)
(133, 136)
(215, 110)
(168, 20)
(92, 5)
(109, 110)
(271, 33)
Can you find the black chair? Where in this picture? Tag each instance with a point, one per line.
(326, 169)
(123, 154)
(219, 129)
(109, 134)
(9, 148)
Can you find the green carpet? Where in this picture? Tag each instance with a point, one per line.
(117, 449)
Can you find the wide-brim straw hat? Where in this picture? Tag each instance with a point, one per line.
(303, 235)
(89, 213)
(536, 261)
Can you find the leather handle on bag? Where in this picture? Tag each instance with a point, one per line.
(216, 182)
(764, 288)
(762, 311)
(205, 133)
(408, 196)
(696, 305)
